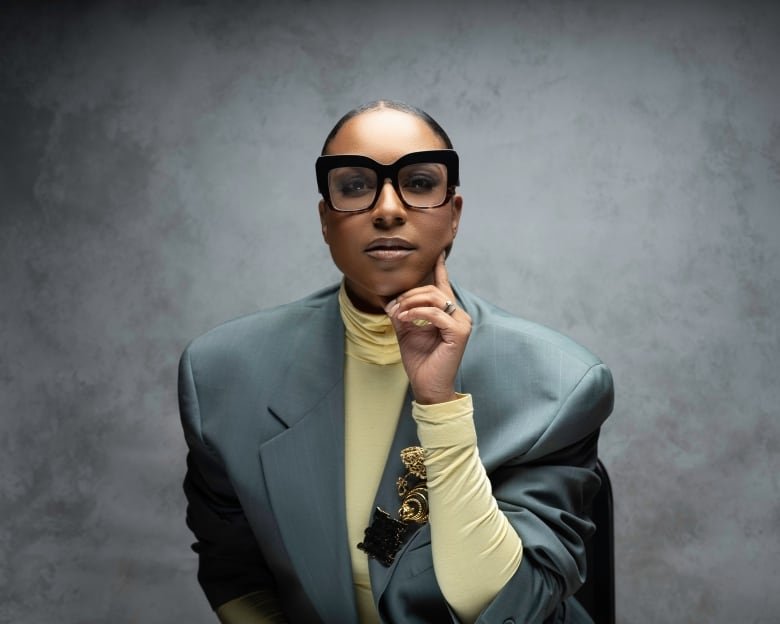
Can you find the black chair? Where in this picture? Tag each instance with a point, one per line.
(597, 595)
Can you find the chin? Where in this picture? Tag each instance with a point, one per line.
(384, 286)
(387, 293)
(392, 287)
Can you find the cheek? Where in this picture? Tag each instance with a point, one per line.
(443, 231)
(343, 247)
(335, 232)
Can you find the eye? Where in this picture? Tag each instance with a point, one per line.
(352, 182)
(419, 184)
(423, 178)
(354, 186)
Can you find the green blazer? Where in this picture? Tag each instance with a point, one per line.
(262, 406)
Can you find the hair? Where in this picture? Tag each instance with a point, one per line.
(394, 105)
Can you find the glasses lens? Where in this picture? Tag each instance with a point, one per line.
(423, 185)
(352, 188)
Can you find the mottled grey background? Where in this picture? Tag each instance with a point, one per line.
(621, 175)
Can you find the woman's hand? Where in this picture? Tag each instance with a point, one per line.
(431, 351)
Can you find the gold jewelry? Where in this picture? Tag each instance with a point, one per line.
(414, 499)
(413, 458)
(385, 536)
(414, 505)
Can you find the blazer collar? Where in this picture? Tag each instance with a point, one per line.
(314, 361)
(304, 465)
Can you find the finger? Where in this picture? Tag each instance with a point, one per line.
(450, 332)
(440, 277)
(434, 316)
(438, 317)
(426, 296)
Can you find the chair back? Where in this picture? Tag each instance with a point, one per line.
(597, 595)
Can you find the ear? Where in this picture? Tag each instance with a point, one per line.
(323, 209)
(457, 208)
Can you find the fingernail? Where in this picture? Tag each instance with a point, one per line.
(390, 307)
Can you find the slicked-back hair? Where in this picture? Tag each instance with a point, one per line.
(394, 105)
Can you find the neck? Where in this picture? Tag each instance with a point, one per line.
(373, 303)
(369, 337)
(375, 306)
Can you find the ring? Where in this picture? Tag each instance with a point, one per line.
(449, 307)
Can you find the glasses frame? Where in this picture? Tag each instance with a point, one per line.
(446, 157)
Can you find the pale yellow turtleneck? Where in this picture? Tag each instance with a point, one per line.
(374, 390)
(475, 550)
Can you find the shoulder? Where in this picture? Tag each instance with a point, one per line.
(263, 324)
(529, 379)
(498, 328)
(267, 331)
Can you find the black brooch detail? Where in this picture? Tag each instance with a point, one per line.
(386, 535)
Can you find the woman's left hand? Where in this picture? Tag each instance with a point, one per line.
(431, 351)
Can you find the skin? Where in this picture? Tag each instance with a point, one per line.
(413, 284)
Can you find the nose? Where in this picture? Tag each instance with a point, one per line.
(389, 209)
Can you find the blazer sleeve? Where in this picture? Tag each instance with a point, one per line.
(544, 494)
(230, 563)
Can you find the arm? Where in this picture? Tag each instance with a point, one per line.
(554, 530)
(231, 565)
(474, 548)
(475, 551)
(482, 565)
(542, 493)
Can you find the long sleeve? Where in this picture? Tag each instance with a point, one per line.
(475, 549)
(230, 562)
(260, 607)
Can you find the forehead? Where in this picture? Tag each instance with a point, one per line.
(384, 135)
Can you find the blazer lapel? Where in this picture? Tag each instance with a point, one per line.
(387, 493)
(304, 465)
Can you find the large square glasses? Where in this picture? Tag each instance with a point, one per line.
(352, 183)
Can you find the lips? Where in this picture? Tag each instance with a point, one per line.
(395, 244)
(389, 249)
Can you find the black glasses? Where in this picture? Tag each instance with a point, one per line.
(351, 183)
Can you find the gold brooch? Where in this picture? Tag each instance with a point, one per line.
(412, 487)
(385, 536)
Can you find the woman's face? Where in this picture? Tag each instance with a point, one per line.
(388, 249)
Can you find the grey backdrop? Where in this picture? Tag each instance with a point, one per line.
(621, 175)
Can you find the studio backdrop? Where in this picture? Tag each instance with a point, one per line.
(620, 168)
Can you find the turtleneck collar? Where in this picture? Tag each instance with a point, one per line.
(370, 337)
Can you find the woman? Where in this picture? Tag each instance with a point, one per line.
(391, 449)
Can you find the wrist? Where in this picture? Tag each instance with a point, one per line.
(445, 424)
(434, 398)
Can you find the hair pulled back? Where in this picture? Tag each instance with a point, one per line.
(394, 105)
